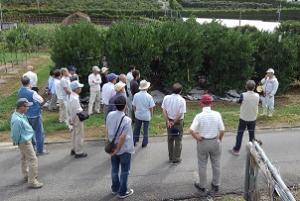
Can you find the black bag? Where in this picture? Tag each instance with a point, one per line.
(83, 116)
(111, 146)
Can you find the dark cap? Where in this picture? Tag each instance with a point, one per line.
(23, 102)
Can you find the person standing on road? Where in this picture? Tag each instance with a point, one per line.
(208, 130)
(134, 88)
(34, 114)
(108, 91)
(270, 86)
(174, 107)
(22, 134)
(66, 91)
(124, 148)
(32, 77)
(248, 114)
(94, 80)
(77, 131)
(143, 105)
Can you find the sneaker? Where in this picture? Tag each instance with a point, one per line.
(202, 190)
(234, 152)
(25, 179)
(114, 193)
(72, 153)
(82, 155)
(144, 145)
(45, 152)
(177, 160)
(35, 185)
(127, 194)
(214, 188)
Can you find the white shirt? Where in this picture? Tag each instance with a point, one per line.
(65, 83)
(94, 82)
(249, 106)
(270, 86)
(74, 105)
(208, 123)
(174, 104)
(37, 97)
(32, 77)
(143, 102)
(129, 78)
(108, 91)
(58, 89)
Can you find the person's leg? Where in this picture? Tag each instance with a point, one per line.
(62, 116)
(251, 130)
(202, 163)
(24, 164)
(115, 163)
(91, 102)
(239, 137)
(32, 122)
(146, 131)
(39, 132)
(178, 142)
(170, 144)
(137, 130)
(215, 158)
(52, 102)
(125, 160)
(97, 102)
(264, 105)
(78, 129)
(271, 106)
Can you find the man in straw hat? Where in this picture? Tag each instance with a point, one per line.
(248, 114)
(94, 80)
(270, 86)
(22, 134)
(208, 131)
(143, 105)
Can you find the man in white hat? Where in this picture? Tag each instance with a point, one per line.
(270, 86)
(120, 91)
(77, 131)
(143, 105)
(94, 82)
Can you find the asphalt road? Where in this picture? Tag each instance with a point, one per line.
(152, 177)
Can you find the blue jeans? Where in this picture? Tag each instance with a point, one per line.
(250, 125)
(119, 182)
(137, 130)
(38, 138)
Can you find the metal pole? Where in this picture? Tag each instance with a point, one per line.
(1, 17)
(279, 12)
(38, 5)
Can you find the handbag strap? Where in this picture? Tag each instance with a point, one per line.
(113, 140)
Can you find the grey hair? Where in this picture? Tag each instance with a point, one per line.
(250, 85)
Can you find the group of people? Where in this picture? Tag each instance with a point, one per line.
(127, 107)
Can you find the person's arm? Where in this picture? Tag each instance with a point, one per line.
(15, 132)
(35, 79)
(152, 105)
(275, 88)
(264, 79)
(90, 80)
(121, 142)
(196, 135)
(241, 99)
(98, 79)
(221, 135)
(221, 128)
(37, 97)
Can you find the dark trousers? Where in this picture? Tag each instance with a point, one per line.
(175, 141)
(137, 130)
(119, 181)
(250, 125)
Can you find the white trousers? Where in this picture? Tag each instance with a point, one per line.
(94, 101)
(268, 104)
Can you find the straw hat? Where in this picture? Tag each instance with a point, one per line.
(144, 85)
(119, 86)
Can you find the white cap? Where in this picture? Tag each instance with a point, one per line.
(270, 70)
(119, 86)
(96, 68)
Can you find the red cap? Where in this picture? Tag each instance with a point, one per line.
(206, 99)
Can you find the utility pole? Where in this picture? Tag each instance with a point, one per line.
(1, 17)
(38, 5)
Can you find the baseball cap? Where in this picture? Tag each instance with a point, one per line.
(270, 70)
(111, 77)
(206, 99)
(75, 84)
(23, 102)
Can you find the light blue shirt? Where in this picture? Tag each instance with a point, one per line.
(143, 102)
(21, 130)
(112, 122)
(51, 86)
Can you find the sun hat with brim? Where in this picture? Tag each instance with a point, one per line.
(23, 102)
(104, 69)
(75, 84)
(119, 86)
(111, 76)
(96, 68)
(144, 85)
(270, 70)
(206, 99)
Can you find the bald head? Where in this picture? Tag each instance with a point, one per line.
(123, 78)
(30, 68)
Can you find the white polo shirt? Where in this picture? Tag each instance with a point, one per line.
(74, 105)
(94, 82)
(174, 104)
(32, 77)
(208, 123)
(108, 91)
(58, 89)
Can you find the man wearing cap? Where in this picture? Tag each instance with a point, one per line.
(66, 91)
(108, 91)
(120, 91)
(22, 134)
(94, 80)
(32, 77)
(34, 114)
(270, 86)
(143, 105)
(174, 107)
(248, 114)
(104, 73)
(77, 131)
(208, 131)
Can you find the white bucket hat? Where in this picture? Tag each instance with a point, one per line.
(270, 70)
(119, 86)
(96, 68)
(144, 85)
